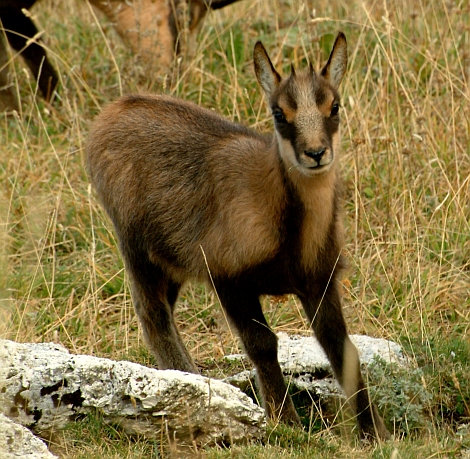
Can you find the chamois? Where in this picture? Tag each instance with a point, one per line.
(154, 29)
(195, 196)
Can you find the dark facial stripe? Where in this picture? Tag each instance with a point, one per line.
(331, 127)
(287, 130)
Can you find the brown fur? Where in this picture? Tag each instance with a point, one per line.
(192, 194)
(157, 29)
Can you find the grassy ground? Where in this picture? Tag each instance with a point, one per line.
(406, 167)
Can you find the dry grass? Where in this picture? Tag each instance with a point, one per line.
(406, 165)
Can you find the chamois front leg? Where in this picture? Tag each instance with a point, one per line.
(326, 317)
(245, 313)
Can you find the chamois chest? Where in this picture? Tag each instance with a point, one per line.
(309, 244)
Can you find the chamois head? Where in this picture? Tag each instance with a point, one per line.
(305, 107)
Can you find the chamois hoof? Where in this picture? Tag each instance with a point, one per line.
(290, 418)
(375, 432)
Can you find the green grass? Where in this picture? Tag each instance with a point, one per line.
(406, 169)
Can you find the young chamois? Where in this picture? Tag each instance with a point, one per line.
(192, 195)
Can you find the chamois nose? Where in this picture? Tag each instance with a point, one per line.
(315, 154)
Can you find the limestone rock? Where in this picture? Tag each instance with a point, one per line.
(43, 386)
(18, 442)
(300, 354)
(307, 368)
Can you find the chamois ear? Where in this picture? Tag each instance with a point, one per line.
(266, 74)
(335, 68)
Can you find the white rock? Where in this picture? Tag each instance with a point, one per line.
(44, 387)
(17, 442)
(300, 354)
(306, 366)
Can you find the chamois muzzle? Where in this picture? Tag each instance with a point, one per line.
(317, 155)
(321, 157)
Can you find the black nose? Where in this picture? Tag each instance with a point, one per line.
(315, 154)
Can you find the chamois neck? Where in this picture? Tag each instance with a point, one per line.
(318, 196)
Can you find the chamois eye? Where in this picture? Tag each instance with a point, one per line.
(279, 115)
(334, 109)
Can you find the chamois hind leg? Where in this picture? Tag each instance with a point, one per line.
(326, 317)
(244, 311)
(19, 28)
(154, 296)
(8, 97)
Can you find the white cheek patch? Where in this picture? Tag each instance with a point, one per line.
(287, 152)
(336, 141)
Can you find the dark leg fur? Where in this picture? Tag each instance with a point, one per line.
(19, 29)
(8, 98)
(154, 298)
(326, 317)
(244, 311)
